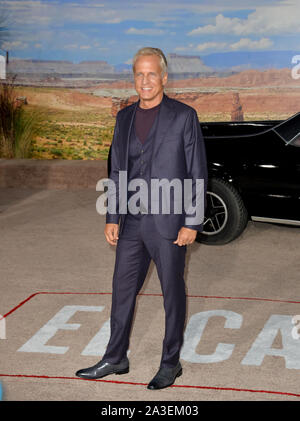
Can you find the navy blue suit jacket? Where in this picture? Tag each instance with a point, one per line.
(178, 152)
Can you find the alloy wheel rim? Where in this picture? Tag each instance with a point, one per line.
(216, 214)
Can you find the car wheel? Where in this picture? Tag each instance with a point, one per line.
(225, 217)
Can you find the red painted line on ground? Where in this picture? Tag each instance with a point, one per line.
(152, 295)
(69, 378)
(145, 384)
(19, 305)
(245, 298)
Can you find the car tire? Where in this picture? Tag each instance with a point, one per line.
(225, 217)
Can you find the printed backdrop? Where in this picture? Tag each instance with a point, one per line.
(230, 60)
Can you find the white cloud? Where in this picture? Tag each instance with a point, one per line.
(42, 13)
(14, 45)
(278, 19)
(52, 21)
(223, 25)
(145, 31)
(211, 45)
(242, 44)
(70, 46)
(188, 47)
(248, 44)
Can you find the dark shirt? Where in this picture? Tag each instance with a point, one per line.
(144, 118)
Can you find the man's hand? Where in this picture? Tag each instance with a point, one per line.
(185, 236)
(111, 233)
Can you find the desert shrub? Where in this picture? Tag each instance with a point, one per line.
(18, 127)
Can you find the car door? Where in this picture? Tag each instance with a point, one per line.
(270, 178)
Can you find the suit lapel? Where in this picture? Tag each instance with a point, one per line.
(165, 117)
(128, 124)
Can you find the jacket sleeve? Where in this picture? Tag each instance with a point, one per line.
(196, 165)
(112, 215)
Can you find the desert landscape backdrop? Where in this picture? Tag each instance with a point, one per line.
(72, 62)
(79, 103)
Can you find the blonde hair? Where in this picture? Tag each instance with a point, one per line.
(150, 51)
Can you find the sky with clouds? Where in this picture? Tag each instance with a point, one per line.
(113, 30)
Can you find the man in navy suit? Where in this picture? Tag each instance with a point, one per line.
(158, 147)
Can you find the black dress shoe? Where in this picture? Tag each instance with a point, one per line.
(103, 368)
(165, 377)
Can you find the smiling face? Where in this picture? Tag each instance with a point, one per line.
(148, 80)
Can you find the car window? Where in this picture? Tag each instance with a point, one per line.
(295, 141)
(289, 130)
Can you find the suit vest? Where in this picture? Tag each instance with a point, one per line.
(139, 166)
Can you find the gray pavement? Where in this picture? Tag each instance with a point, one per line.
(53, 241)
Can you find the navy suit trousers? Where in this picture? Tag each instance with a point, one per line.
(137, 245)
